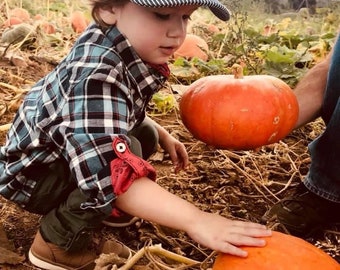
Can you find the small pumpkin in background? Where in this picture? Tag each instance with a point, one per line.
(12, 21)
(193, 46)
(239, 112)
(48, 27)
(79, 22)
(20, 13)
(17, 16)
(212, 28)
(282, 252)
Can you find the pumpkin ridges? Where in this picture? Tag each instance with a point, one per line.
(291, 102)
(193, 100)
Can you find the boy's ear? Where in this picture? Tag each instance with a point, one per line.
(108, 16)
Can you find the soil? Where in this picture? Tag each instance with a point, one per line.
(236, 184)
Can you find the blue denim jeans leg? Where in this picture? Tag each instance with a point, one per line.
(324, 174)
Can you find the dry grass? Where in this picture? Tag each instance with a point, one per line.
(239, 185)
(236, 184)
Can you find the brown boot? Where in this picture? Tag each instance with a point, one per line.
(303, 213)
(49, 256)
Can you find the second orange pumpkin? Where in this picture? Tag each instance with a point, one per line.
(282, 252)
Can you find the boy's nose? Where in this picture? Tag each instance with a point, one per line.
(178, 29)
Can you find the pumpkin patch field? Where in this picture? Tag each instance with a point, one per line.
(240, 181)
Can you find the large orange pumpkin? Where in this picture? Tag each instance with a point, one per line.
(240, 113)
(282, 252)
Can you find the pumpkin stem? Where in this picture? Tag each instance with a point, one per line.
(237, 71)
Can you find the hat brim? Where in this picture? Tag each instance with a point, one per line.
(219, 10)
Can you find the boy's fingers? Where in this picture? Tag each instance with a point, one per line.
(230, 249)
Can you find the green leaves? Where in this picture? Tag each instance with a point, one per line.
(281, 55)
(284, 45)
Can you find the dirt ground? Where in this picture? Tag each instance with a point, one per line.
(236, 184)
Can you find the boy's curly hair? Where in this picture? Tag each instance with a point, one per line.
(103, 4)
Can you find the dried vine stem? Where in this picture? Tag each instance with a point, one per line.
(13, 88)
(158, 250)
(5, 127)
(24, 80)
(253, 180)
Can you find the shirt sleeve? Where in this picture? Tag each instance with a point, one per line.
(97, 110)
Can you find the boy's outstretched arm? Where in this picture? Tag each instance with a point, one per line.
(147, 200)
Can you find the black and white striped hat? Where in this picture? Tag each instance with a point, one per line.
(215, 6)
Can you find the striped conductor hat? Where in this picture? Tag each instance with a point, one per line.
(219, 10)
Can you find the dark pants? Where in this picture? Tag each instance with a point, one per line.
(323, 177)
(58, 199)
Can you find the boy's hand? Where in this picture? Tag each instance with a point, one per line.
(177, 152)
(224, 235)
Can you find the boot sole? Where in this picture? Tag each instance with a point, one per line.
(46, 265)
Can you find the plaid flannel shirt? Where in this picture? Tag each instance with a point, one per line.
(100, 90)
